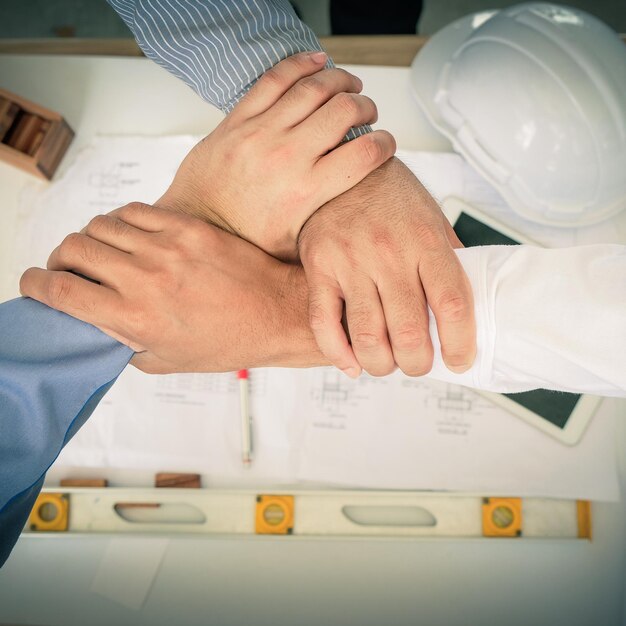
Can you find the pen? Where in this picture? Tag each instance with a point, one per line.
(246, 422)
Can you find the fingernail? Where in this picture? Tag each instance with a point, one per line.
(318, 57)
(352, 372)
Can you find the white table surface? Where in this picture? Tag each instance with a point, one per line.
(269, 581)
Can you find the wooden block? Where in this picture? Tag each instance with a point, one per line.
(33, 138)
(29, 106)
(53, 147)
(84, 482)
(184, 481)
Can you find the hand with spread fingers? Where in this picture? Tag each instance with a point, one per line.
(274, 159)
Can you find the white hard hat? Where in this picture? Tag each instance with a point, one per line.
(534, 97)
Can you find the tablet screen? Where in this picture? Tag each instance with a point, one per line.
(554, 406)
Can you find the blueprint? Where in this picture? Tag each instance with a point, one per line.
(403, 433)
(311, 426)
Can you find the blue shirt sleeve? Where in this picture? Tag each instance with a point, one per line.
(54, 370)
(219, 47)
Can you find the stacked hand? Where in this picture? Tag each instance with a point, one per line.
(270, 164)
(190, 297)
(184, 295)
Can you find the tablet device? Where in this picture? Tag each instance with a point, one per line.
(560, 414)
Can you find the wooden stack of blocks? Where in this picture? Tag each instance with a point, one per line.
(32, 137)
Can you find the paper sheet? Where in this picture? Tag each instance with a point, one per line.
(190, 423)
(402, 433)
(315, 425)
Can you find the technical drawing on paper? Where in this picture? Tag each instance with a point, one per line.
(107, 183)
(335, 398)
(115, 180)
(334, 394)
(194, 388)
(453, 405)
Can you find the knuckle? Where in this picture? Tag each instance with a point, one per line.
(272, 77)
(59, 290)
(367, 341)
(282, 156)
(138, 209)
(344, 80)
(347, 103)
(315, 253)
(78, 246)
(97, 224)
(428, 236)
(454, 307)
(106, 224)
(385, 243)
(163, 278)
(117, 227)
(71, 246)
(372, 149)
(411, 338)
(313, 85)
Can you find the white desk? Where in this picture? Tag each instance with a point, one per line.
(267, 581)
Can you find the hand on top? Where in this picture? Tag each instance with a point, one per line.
(382, 248)
(270, 164)
(184, 295)
(386, 250)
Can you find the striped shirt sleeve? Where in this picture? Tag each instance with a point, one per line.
(218, 47)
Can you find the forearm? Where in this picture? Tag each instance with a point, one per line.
(552, 319)
(53, 372)
(218, 47)
(292, 343)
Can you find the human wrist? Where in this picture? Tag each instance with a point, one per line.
(349, 204)
(293, 342)
(183, 200)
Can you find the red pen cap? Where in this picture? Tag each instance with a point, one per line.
(242, 374)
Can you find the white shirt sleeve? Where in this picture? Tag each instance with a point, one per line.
(546, 318)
